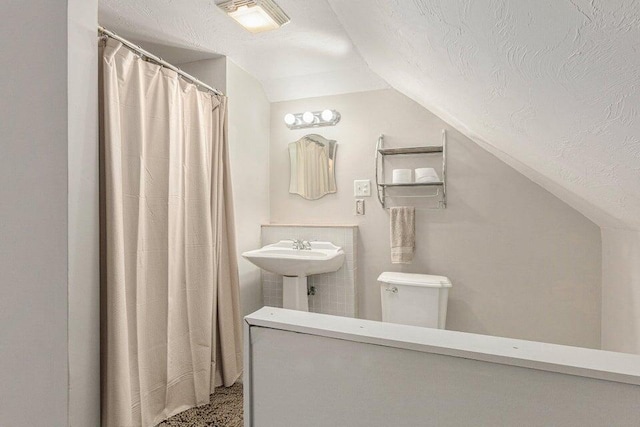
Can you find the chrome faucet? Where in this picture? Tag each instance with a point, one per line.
(301, 245)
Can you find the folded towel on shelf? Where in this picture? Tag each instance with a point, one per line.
(403, 234)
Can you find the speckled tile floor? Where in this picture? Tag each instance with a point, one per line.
(225, 410)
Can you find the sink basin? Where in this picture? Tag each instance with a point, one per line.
(281, 258)
(295, 265)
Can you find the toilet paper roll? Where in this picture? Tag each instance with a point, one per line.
(426, 175)
(402, 176)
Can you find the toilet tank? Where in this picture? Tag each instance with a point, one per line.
(414, 299)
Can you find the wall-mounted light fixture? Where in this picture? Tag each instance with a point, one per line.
(311, 119)
(255, 15)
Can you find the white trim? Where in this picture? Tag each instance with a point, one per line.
(589, 363)
(246, 375)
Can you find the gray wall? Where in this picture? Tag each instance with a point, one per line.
(33, 213)
(49, 326)
(523, 263)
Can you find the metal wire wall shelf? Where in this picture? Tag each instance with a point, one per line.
(383, 187)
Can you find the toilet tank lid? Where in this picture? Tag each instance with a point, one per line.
(412, 279)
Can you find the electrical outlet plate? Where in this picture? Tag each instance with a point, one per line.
(359, 206)
(362, 188)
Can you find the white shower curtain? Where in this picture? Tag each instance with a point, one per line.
(171, 318)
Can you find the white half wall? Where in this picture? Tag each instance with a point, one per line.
(249, 133)
(621, 290)
(523, 263)
(337, 371)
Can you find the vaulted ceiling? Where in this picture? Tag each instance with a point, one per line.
(550, 86)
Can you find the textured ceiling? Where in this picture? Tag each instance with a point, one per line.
(310, 56)
(550, 86)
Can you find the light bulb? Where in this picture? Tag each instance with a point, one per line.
(327, 115)
(308, 117)
(289, 119)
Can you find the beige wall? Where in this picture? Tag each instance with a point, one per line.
(249, 127)
(621, 290)
(249, 132)
(523, 264)
(210, 71)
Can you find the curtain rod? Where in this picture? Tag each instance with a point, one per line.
(103, 31)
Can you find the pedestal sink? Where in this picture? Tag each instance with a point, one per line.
(295, 265)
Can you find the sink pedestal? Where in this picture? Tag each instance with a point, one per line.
(294, 293)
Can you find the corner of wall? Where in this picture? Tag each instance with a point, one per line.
(249, 142)
(83, 308)
(621, 290)
(210, 71)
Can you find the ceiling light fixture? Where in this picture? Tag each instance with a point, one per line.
(312, 119)
(256, 15)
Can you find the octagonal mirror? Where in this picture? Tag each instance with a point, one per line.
(313, 160)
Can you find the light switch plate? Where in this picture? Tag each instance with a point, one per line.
(359, 206)
(362, 188)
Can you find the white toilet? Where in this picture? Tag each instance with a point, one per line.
(414, 299)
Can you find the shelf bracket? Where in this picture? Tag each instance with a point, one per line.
(381, 185)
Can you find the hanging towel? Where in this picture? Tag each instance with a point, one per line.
(403, 234)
